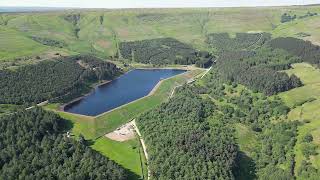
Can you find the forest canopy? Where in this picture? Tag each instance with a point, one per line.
(303, 49)
(185, 143)
(237, 68)
(57, 80)
(164, 51)
(32, 146)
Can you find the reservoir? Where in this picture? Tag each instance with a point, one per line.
(131, 86)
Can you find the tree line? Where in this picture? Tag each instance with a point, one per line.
(49, 42)
(57, 80)
(286, 17)
(304, 49)
(164, 51)
(32, 146)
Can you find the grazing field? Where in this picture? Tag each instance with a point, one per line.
(306, 72)
(298, 96)
(305, 102)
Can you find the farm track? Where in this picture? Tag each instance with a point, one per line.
(144, 147)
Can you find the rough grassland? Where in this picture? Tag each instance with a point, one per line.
(310, 77)
(14, 44)
(307, 73)
(308, 110)
(308, 25)
(187, 25)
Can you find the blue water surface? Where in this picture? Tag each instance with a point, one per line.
(128, 87)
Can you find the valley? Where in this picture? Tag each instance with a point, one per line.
(199, 93)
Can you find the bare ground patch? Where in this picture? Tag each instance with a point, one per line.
(123, 133)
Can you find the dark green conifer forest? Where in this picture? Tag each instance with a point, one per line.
(33, 145)
(55, 80)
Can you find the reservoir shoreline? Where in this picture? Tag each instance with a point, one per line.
(155, 87)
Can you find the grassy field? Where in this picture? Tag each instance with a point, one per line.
(246, 138)
(15, 44)
(128, 154)
(308, 97)
(16, 48)
(310, 77)
(187, 25)
(308, 25)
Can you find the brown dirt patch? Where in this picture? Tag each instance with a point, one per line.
(123, 133)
